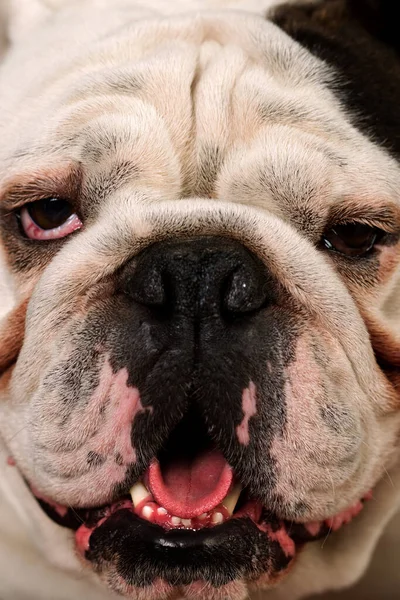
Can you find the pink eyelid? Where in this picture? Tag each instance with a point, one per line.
(34, 232)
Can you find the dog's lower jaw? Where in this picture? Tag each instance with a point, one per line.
(139, 559)
(341, 562)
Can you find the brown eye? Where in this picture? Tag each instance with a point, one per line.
(50, 212)
(352, 239)
(49, 219)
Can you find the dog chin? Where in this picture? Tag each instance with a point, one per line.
(141, 550)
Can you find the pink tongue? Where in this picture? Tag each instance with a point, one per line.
(187, 488)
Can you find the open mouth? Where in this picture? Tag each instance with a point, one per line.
(187, 520)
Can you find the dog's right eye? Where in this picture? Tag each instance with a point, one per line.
(49, 219)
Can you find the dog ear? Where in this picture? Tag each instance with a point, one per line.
(344, 20)
(379, 18)
(12, 329)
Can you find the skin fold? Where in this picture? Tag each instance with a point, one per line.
(208, 151)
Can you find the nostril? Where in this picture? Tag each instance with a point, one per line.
(238, 292)
(147, 287)
(245, 290)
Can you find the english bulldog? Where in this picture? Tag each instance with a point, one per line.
(200, 222)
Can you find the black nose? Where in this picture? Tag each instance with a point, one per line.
(202, 277)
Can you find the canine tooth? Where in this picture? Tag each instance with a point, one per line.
(162, 511)
(232, 499)
(176, 521)
(147, 512)
(139, 493)
(217, 518)
(187, 522)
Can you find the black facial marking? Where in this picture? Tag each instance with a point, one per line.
(280, 561)
(142, 552)
(299, 509)
(194, 323)
(118, 459)
(368, 68)
(94, 459)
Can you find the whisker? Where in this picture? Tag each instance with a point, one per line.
(76, 514)
(334, 497)
(18, 432)
(391, 482)
(326, 537)
(389, 478)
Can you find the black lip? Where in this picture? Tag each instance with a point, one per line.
(142, 552)
(139, 552)
(72, 519)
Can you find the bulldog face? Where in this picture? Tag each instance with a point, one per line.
(200, 374)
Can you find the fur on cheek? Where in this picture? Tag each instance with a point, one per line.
(12, 330)
(99, 433)
(319, 448)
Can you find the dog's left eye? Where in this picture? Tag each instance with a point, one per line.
(352, 239)
(49, 219)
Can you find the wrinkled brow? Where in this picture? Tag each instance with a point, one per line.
(381, 213)
(60, 182)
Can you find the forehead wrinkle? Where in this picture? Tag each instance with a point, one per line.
(119, 80)
(107, 181)
(201, 32)
(288, 175)
(294, 94)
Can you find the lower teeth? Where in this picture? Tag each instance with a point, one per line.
(152, 512)
(147, 508)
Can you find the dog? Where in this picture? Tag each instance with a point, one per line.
(200, 227)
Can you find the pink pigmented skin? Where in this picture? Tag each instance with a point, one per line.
(11, 461)
(343, 518)
(102, 429)
(125, 404)
(249, 407)
(282, 537)
(34, 232)
(82, 537)
(124, 415)
(58, 508)
(313, 528)
(83, 533)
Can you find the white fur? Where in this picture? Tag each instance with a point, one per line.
(200, 79)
